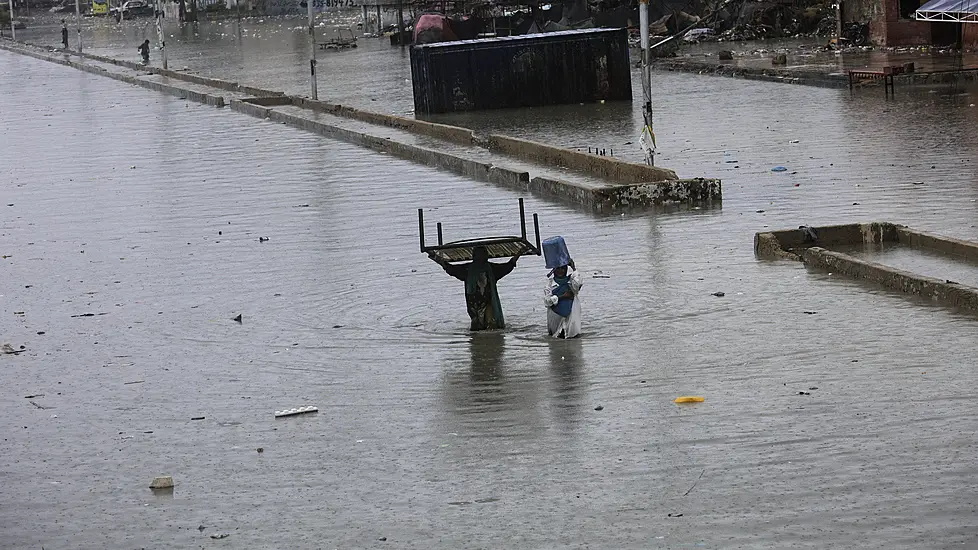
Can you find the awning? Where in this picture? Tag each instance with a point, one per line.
(949, 11)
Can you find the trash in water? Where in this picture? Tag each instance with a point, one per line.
(795, 141)
(918, 183)
(220, 536)
(9, 350)
(779, 169)
(689, 399)
(719, 294)
(238, 318)
(599, 408)
(295, 411)
(162, 482)
(197, 418)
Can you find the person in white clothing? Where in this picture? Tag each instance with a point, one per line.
(563, 305)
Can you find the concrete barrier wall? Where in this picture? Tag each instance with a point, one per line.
(604, 167)
(207, 99)
(512, 179)
(270, 101)
(446, 132)
(917, 239)
(565, 191)
(698, 190)
(468, 168)
(952, 294)
(622, 197)
(598, 198)
(791, 243)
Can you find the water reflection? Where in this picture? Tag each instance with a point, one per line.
(490, 394)
(566, 368)
(486, 350)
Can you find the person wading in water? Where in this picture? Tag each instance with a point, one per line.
(480, 277)
(144, 50)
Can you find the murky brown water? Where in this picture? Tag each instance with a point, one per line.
(431, 437)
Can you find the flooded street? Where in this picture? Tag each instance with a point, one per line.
(145, 211)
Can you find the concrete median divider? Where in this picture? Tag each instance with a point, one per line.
(607, 198)
(604, 167)
(622, 185)
(472, 169)
(446, 132)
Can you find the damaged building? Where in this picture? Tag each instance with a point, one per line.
(914, 22)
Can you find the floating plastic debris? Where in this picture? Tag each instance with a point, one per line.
(689, 399)
(293, 412)
(779, 169)
(163, 482)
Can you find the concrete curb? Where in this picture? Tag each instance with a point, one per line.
(604, 167)
(476, 170)
(794, 244)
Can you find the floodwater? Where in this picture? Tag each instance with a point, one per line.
(146, 211)
(922, 261)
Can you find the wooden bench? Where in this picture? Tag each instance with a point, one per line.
(886, 75)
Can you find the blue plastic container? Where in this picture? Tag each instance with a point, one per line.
(555, 252)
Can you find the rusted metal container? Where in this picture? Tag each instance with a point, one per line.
(576, 66)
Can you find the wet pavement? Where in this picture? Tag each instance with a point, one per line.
(146, 211)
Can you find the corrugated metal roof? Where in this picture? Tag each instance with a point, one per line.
(951, 11)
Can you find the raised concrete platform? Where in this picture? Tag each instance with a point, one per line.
(801, 245)
(822, 75)
(597, 183)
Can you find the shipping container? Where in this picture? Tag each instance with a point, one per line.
(577, 66)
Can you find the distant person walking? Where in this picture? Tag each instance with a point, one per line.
(144, 50)
(64, 34)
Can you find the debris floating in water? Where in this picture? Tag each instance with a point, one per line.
(779, 169)
(689, 399)
(163, 482)
(295, 411)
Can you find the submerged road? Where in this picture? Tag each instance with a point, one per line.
(146, 211)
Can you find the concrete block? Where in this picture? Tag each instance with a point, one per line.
(509, 178)
(604, 167)
(163, 482)
(951, 294)
(269, 101)
(799, 245)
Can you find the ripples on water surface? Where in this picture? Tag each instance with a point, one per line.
(149, 209)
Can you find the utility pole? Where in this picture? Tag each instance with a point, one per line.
(400, 22)
(647, 139)
(13, 31)
(312, 49)
(78, 24)
(159, 32)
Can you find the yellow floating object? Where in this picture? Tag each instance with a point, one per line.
(689, 399)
